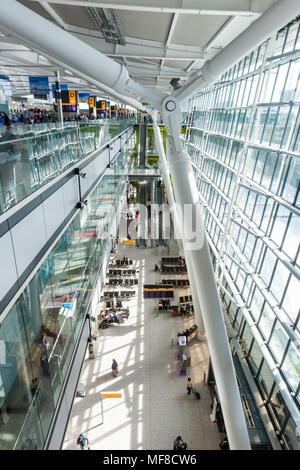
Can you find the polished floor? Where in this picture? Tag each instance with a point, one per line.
(154, 407)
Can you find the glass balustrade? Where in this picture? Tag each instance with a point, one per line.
(32, 156)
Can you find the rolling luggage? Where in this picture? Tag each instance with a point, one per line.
(196, 393)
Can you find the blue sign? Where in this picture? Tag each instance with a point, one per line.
(39, 86)
(62, 86)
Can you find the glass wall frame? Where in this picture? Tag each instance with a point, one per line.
(248, 168)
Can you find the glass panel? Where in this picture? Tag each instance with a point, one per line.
(16, 386)
(291, 435)
(291, 367)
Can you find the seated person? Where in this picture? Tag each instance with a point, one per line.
(115, 318)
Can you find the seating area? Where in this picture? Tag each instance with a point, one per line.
(175, 260)
(123, 282)
(186, 298)
(121, 262)
(122, 272)
(173, 269)
(116, 294)
(176, 282)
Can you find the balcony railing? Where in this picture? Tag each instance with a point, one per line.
(32, 156)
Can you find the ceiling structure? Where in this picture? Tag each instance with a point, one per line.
(157, 40)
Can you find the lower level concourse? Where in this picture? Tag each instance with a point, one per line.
(152, 406)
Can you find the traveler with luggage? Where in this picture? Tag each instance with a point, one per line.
(189, 385)
(196, 393)
(114, 368)
(83, 442)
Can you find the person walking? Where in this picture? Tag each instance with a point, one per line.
(83, 442)
(189, 385)
(114, 368)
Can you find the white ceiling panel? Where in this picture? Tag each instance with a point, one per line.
(182, 64)
(152, 26)
(77, 16)
(197, 30)
(36, 7)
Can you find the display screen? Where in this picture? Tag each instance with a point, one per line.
(158, 291)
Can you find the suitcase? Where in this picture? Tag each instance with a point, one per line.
(197, 394)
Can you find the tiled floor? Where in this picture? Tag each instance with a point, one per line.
(154, 407)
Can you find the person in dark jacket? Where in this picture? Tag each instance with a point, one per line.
(179, 444)
(114, 368)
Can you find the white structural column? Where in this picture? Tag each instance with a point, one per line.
(177, 228)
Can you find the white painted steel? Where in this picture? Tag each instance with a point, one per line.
(166, 177)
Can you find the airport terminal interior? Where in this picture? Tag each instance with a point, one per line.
(149, 225)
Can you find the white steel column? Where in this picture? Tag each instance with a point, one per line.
(177, 228)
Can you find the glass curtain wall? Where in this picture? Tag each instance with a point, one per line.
(38, 335)
(244, 142)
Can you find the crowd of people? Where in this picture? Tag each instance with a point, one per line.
(30, 117)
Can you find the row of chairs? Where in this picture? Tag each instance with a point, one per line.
(185, 298)
(126, 282)
(176, 282)
(121, 272)
(172, 260)
(110, 304)
(173, 269)
(123, 294)
(167, 307)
